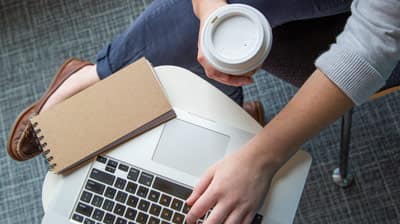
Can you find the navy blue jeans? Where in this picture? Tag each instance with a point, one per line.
(166, 33)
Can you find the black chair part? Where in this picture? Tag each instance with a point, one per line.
(345, 143)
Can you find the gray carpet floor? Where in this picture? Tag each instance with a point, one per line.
(35, 38)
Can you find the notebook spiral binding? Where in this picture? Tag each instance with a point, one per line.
(43, 145)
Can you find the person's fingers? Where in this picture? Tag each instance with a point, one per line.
(227, 79)
(202, 205)
(218, 213)
(248, 218)
(250, 73)
(201, 186)
(212, 73)
(235, 217)
(231, 80)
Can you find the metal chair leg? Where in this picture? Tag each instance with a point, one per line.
(341, 175)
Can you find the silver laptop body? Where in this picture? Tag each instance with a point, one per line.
(147, 179)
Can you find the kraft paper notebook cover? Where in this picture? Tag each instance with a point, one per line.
(124, 105)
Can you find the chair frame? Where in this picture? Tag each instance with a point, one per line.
(342, 176)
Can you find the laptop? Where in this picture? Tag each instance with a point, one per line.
(147, 179)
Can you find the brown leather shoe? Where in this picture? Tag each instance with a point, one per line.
(256, 110)
(22, 144)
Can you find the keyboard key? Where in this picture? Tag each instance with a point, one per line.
(123, 167)
(206, 215)
(110, 192)
(177, 204)
(110, 169)
(112, 163)
(86, 196)
(98, 214)
(133, 174)
(257, 219)
(164, 222)
(166, 214)
(108, 205)
(146, 179)
(154, 196)
(171, 188)
(101, 159)
(89, 221)
(142, 191)
(142, 218)
(95, 187)
(119, 209)
(109, 218)
(121, 221)
(178, 218)
(132, 201)
(121, 196)
(155, 209)
(120, 183)
(97, 201)
(144, 205)
(130, 214)
(165, 200)
(84, 209)
(131, 187)
(186, 208)
(77, 217)
(101, 176)
(153, 220)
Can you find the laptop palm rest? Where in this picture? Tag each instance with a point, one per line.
(189, 148)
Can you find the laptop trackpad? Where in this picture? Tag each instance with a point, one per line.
(189, 148)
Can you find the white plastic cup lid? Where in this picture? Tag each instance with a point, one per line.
(236, 39)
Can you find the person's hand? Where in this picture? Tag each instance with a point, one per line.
(202, 10)
(234, 188)
(227, 79)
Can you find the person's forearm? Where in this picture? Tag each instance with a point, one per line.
(318, 103)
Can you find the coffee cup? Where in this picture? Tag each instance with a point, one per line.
(236, 39)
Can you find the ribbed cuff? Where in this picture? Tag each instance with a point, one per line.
(351, 73)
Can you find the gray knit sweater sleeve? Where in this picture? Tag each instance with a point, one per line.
(366, 51)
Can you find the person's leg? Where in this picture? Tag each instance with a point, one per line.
(80, 80)
(286, 60)
(280, 12)
(166, 33)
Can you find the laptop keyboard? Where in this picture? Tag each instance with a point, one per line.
(118, 193)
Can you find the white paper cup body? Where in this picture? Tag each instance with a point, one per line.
(236, 39)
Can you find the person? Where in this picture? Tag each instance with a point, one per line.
(348, 73)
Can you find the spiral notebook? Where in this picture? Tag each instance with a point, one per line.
(124, 105)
